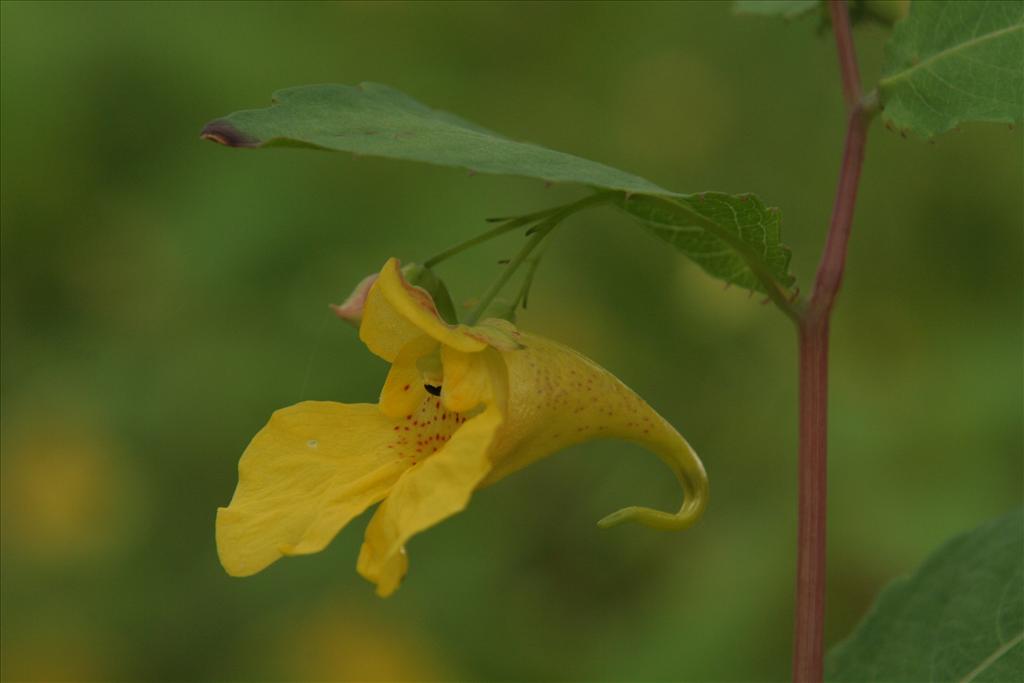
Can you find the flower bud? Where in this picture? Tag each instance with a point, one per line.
(352, 310)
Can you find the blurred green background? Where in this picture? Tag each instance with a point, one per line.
(162, 295)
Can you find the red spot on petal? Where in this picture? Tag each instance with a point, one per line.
(405, 388)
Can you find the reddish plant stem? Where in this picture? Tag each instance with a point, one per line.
(813, 331)
(840, 16)
(833, 257)
(809, 620)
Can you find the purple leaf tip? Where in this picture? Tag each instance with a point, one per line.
(223, 133)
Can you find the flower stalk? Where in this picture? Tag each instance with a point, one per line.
(544, 223)
(508, 224)
(504, 225)
(532, 243)
(813, 334)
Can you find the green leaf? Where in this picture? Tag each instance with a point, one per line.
(951, 62)
(731, 237)
(960, 617)
(373, 119)
(787, 9)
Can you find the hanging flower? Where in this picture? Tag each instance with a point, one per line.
(462, 407)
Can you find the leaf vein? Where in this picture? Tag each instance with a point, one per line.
(905, 74)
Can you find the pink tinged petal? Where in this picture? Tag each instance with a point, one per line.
(352, 310)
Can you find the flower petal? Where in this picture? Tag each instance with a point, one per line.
(558, 398)
(441, 485)
(396, 312)
(403, 389)
(471, 379)
(304, 476)
(434, 490)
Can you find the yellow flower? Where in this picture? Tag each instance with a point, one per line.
(461, 408)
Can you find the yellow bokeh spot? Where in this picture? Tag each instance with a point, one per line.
(66, 493)
(343, 642)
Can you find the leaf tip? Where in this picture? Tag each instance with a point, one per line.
(223, 133)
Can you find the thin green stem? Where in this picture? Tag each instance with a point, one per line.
(531, 271)
(472, 242)
(510, 224)
(535, 239)
(545, 221)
